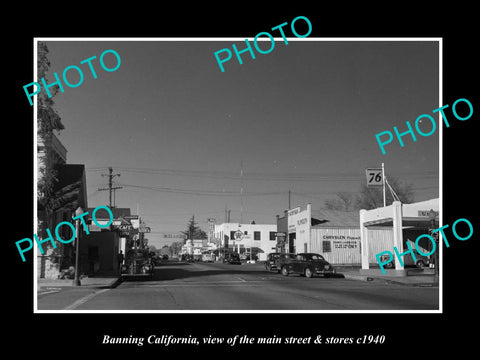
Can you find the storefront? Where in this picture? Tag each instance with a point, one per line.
(333, 234)
(337, 237)
(406, 221)
(243, 238)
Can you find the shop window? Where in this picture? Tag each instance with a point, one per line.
(256, 235)
(272, 235)
(327, 246)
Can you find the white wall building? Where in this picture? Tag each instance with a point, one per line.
(243, 237)
(406, 221)
(333, 234)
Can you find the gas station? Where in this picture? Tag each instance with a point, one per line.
(406, 220)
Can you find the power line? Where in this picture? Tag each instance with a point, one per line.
(111, 188)
(269, 176)
(202, 192)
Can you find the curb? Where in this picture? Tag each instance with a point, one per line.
(116, 282)
(389, 281)
(110, 284)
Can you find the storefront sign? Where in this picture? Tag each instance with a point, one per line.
(293, 211)
(426, 213)
(345, 244)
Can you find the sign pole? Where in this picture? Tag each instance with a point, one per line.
(383, 181)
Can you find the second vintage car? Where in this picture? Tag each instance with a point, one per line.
(271, 262)
(308, 264)
(138, 263)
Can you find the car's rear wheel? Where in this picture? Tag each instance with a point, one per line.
(420, 264)
(284, 271)
(308, 272)
(389, 265)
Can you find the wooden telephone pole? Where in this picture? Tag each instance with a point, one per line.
(111, 188)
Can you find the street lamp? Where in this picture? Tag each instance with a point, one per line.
(76, 280)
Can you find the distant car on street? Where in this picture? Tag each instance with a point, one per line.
(232, 258)
(308, 264)
(187, 257)
(207, 257)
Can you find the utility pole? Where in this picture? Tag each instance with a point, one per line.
(241, 192)
(383, 180)
(110, 186)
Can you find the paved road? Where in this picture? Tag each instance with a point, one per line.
(216, 286)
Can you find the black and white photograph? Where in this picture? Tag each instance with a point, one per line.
(243, 189)
(238, 182)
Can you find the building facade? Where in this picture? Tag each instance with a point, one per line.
(69, 193)
(243, 238)
(99, 250)
(333, 234)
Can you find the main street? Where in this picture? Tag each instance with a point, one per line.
(217, 286)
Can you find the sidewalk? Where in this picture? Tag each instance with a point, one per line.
(414, 278)
(100, 280)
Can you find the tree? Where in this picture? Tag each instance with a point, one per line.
(176, 247)
(48, 120)
(371, 198)
(193, 230)
(344, 202)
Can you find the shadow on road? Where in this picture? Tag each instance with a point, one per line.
(183, 270)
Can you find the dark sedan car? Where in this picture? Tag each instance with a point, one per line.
(138, 263)
(232, 258)
(308, 264)
(283, 259)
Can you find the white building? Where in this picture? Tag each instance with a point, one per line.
(406, 221)
(354, 238)
(333, 234)
(243, 237)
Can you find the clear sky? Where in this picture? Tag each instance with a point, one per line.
(302, 118)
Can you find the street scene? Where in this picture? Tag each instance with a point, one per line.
(179, 285)
(165, 184)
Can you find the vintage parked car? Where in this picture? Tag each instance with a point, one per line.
(138, 263)
(308, 264)
(271, 262)
(421, 260)
(187, 257)
(232, 258)
(282, 259)
(157, 260)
